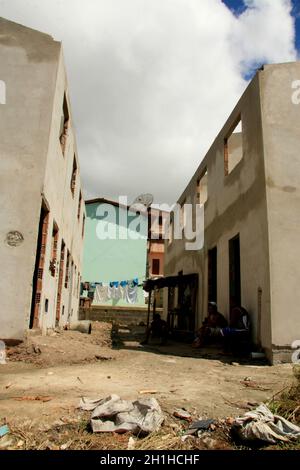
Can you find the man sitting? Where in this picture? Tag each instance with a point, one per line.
(211, 327)
(158, 329)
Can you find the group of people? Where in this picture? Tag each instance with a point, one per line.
(214, 327)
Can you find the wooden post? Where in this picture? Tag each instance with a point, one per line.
(168, 308)
(149, 307)
(154, 306)
(259, 302)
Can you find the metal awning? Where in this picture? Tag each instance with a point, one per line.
(170, 281)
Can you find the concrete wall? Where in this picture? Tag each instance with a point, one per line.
(63, 211)
(122, 315)
(29, 62)
(236, 204)
(118, 257)
(282, 155)
(31, 169)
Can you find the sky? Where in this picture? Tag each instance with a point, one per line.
(152, 82)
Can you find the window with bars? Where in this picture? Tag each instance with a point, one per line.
(73, 177)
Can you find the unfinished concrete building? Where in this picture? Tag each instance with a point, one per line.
(41, 206)
(249, 183)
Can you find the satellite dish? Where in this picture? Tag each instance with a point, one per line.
(144, 199)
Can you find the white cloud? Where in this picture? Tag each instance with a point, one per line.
(264, 33)
(152, 81)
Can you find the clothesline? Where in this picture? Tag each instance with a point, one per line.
(101, 292)
(139, 280)
(128, 293)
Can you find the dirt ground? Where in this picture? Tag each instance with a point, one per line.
(64, 347)
(44, 379)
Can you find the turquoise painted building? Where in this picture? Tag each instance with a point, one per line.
(115, 248)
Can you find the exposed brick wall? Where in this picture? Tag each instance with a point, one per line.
(128, 316)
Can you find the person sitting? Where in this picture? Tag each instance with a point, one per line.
(157, 330)
(211, 327)
(237, 334)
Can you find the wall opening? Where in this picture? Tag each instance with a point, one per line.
(67, 270)
(54, 241)
(170, 233)
(37, 282)
(83, 225)
(182, 308)
(79, 205)
(2, 92)
(233, 147)
(78, 285)
(234, 273)
(155, 266)
(73, 177)
(60, 281)
(213, 275)
(182, 214)
(64, 125)
(202, 188)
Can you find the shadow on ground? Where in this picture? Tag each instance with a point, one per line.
(130, 337)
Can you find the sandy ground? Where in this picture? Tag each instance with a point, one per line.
(64, 347)
(44, 379)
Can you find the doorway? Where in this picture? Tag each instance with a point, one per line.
(60, 281)
(234, 272)
(212, 275)
(37, 282)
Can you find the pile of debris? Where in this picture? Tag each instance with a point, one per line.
(64, 347)
(261, 425)
(112, 414)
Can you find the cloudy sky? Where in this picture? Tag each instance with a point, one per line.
(152, 81)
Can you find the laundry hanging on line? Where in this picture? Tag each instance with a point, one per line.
(117, 291)
(131, 294)
(101, 294)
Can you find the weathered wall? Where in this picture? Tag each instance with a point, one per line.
(33, 168)
(282, 154)
(236, 205)
(63, 210)
(29, 62)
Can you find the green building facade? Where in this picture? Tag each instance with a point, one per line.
(115, 249)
